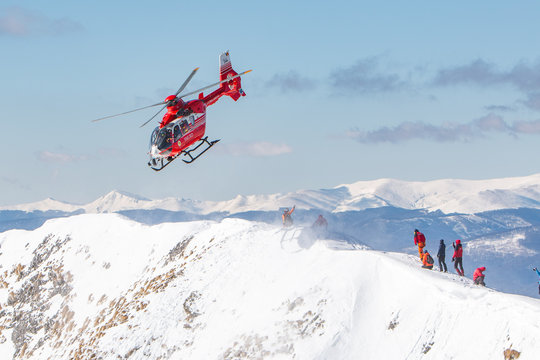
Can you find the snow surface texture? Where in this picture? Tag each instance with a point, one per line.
(448, 196)
(105, 286)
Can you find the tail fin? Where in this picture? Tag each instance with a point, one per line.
(232, 88)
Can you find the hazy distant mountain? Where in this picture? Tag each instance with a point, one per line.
(449, 196)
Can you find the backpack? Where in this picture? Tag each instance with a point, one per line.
(429, 259)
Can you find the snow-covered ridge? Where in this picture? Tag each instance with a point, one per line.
(101, 286)
(448, 195)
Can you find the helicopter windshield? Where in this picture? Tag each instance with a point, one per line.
(162, 138)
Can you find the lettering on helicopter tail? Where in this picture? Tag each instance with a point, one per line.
(225, 63)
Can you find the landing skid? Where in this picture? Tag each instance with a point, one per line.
(193, 158)
(161, 163)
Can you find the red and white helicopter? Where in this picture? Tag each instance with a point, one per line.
(184, 123)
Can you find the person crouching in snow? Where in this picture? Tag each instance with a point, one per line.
(478, 276)
(420, 241)
(427, 261)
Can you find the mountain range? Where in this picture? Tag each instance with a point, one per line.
(448, 196)
(498, 220)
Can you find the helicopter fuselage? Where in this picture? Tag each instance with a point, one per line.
(172, 137)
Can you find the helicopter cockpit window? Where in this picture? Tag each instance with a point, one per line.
(154, 136)
(164, 138)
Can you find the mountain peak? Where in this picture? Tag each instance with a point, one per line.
(116, 201)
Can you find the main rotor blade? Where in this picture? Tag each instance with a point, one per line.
(160, 110)
(178, 92)
(219, 82)
(127, 112)
(186, 82)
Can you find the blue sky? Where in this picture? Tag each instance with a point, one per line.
(341, 91)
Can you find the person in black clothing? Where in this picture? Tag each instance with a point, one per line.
(441, 255)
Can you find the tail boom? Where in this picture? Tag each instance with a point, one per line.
(232, 88)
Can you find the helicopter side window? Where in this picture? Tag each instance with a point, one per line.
(191, 120)
(184, 126)
(177, 132)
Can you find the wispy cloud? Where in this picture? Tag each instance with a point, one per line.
(291, 81)
(524, 76)
(15, 182)
(449, 132)
(499, 108)
(533, 101)
(365, 76)
(56, 157)
(20, 22)
(64, 157)
(256, 149)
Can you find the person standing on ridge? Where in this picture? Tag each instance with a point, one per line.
(478, 276)
(538, 272)
(420, 241)
(441, 255)
(458, 257)
(427, 261)
(320, 226)
(286, 217)
(320, 223)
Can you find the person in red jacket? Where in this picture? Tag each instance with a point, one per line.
(420, 241)
(478, 276)
(458, 257)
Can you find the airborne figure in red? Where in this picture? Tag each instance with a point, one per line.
(184, 123)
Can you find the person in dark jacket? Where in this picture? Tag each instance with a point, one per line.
(458, 257)
(441, 255)
(320, 224)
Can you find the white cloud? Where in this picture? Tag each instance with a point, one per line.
(16, 21)
(55, 157)
(257, 149)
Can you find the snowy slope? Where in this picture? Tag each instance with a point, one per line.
(106, 286)
(449, 196)
(464, 196)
